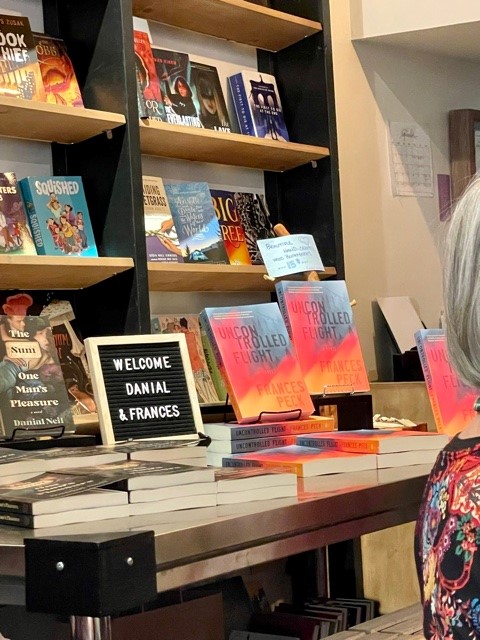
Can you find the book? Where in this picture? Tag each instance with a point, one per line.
(15, 233)
(231, 227)
(164, 451)
(233, 431)
(167, 493)
(58, 214)
(20, 75)
(209, 96)
(252, 444)
(406, 458)
(58, 75)
(196, 223)
(255, 218)
(58, 458)
(320, 323)
(451, 399)
(149, 93)
(188, 324)
(257, 362)
(374, 441)
(304, 461)
(232, 480)
(212, 365)
(179, 100)
(32, 388)
(60, 518)
(265, 493)
(16, 461)
(173, 504)
(289, 624)
(161, 235)
(257, 104)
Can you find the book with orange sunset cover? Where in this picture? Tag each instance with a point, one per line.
(58, 75)
(319, 320)
(451, 399)
(257, 362)
(231, 226)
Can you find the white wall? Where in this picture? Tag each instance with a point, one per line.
(391, 242)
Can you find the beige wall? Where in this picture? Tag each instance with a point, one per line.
(391, 242)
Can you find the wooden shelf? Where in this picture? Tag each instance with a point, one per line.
(204, 145)
(236, 20)
(32, 120)
(212, 277)
(57, 272)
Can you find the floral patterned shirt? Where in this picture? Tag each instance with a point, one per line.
(447, 540)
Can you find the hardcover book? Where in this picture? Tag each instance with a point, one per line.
(231, 227)
(451, 399)
(255, 218)
(257, 362)
(189, 325)
(196, 223)
(160, 232)
(233, 431)
(257, 105)
(15, 233)
(179, 100)
(58, 215)
(209, 97)
(20, 75)
(319, 320)
(149, 93)
(58, 75)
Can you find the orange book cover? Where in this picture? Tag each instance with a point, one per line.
(58, 75)
(231, 227)
(319, 319)
(257, 362)
(451, 399)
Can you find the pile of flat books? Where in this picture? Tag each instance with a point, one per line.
(249, 485)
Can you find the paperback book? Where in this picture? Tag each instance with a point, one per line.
(20, 75)
(15, 233)
(255, 219)
(58, 215)
(229, 479)
(212, 365)
(257, 104)
(149, 93)
(451, 399)
(197, 225)
(257, 362)
(231, 227)
(252, 444)
(212, 111)
(320, 322)
(229, 431)
(161, 235)
(58, 75)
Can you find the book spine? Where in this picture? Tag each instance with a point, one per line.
(212, 366)
(429, 383)
(238, 462)
(32, 216)
(16, 519)
(283, 307)
(244, 446)
(240, 101)
(13, 506)
(327, 444)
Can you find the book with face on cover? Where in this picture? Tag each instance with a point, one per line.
(257, 362)
(209, 97)
(149, 93)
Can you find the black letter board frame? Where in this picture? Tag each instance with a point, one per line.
(114, 403)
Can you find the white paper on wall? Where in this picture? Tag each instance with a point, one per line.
(410, 160)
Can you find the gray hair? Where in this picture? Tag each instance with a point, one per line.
(462, 286)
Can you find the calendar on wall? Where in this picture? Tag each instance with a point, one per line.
(410, 160)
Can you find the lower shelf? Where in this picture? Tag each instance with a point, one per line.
(57, 272)
(213, 277)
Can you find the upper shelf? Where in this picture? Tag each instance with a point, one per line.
(57, 272)
(33, 120)
(164, 276)
(204, 145)
(236, 20)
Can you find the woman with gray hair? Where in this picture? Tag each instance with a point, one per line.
(447, 537)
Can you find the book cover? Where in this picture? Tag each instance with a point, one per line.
(207, 89)
(231, 227)
(451, 399)
(15, 233)
(257, 105)
(179, 100)
(161, 235)
(255, 218)
(149, 93)
(233, 431)
(320, 322)
(32, 388)
(257, 362)
(212, 365)
(20, 75)
(196, 222)
(58, 75)
(374, 441)
(189, 325)
(58, 215)
(59, 458)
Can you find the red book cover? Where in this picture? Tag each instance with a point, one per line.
(319, 319)
(149, 93)
(257, 362)
(231, 227)
(58, 74)
(451, 399)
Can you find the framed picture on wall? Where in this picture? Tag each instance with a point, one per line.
(464, 139)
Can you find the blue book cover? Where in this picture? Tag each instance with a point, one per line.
(196, 223)
(58, 214)
(257, 105)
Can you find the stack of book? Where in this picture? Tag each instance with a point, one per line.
(248, 485)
